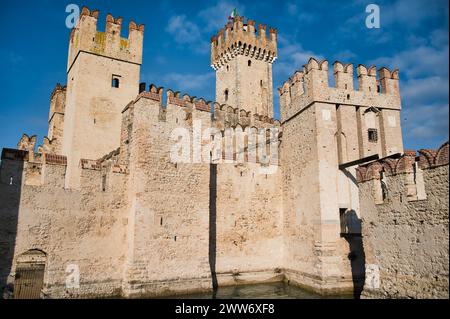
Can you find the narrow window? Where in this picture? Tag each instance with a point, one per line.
(249, 62)
(11, 179)
(104, 183)
(261, 83)
(226, 95)
(161, 221)
(373, 135)
(346, 86)
(228, 68)
(115, 82)
(384, 189)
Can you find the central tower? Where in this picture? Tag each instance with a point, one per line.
(242, 58)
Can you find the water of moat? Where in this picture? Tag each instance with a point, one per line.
(264, 291)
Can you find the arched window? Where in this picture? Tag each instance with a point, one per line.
(228, 68)
(226, 95)
(249, 62)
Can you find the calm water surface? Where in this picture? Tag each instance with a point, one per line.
(269, 291)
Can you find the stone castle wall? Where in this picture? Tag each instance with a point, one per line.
(84, 227)
(138, 215)
(405, 225)
(103, 193)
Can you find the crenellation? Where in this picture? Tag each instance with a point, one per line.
(343, 75)
(239, 38)
(405, 203)
(86, 38)
(104, 190)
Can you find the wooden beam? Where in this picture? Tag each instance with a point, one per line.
(359, 161)
(368, 159)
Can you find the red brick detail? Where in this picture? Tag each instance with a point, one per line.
(54, 159)
(373, 171)
(202, 106)
(90, 164)
(442, 155)
(360, 173)
(149, 95)
(426, 158)
(176, 101)
(389, 165)
(121, 169)
(406, 162)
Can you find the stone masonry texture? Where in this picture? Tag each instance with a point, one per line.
(325, 198)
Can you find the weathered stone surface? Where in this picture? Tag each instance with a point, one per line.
(406, 237)
(103, 195)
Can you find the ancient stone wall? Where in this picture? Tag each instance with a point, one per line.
(404, 206)
(85, 228)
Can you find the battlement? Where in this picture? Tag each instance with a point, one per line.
(58, 89)
(86, 37)
(183, 110)
(222, 115)
(409, 165)
(239, 38)
(311, 84)
(425, 160)
(46, 169)
(57, 101)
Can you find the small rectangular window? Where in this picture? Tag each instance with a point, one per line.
(115, 81)
(373, 135)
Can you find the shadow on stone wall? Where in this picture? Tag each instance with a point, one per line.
(10, 192)
(356, 256)
(213, 225)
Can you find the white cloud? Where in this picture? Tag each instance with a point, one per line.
(216, 16)
(196, 35)
(291, 57)
(299, 14)
(439, 37)
(427, 122)
(189, 81)
(418, 61)
(185, 32)
(424, 90)
(410, 13)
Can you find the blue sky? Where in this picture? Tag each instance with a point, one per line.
(413, 37)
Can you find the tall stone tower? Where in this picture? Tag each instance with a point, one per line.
(327, 132)
(102, 77)
(242, 58)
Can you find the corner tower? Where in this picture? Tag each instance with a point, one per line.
(242, 58)
(103, 73)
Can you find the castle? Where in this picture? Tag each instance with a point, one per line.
(337, 206)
